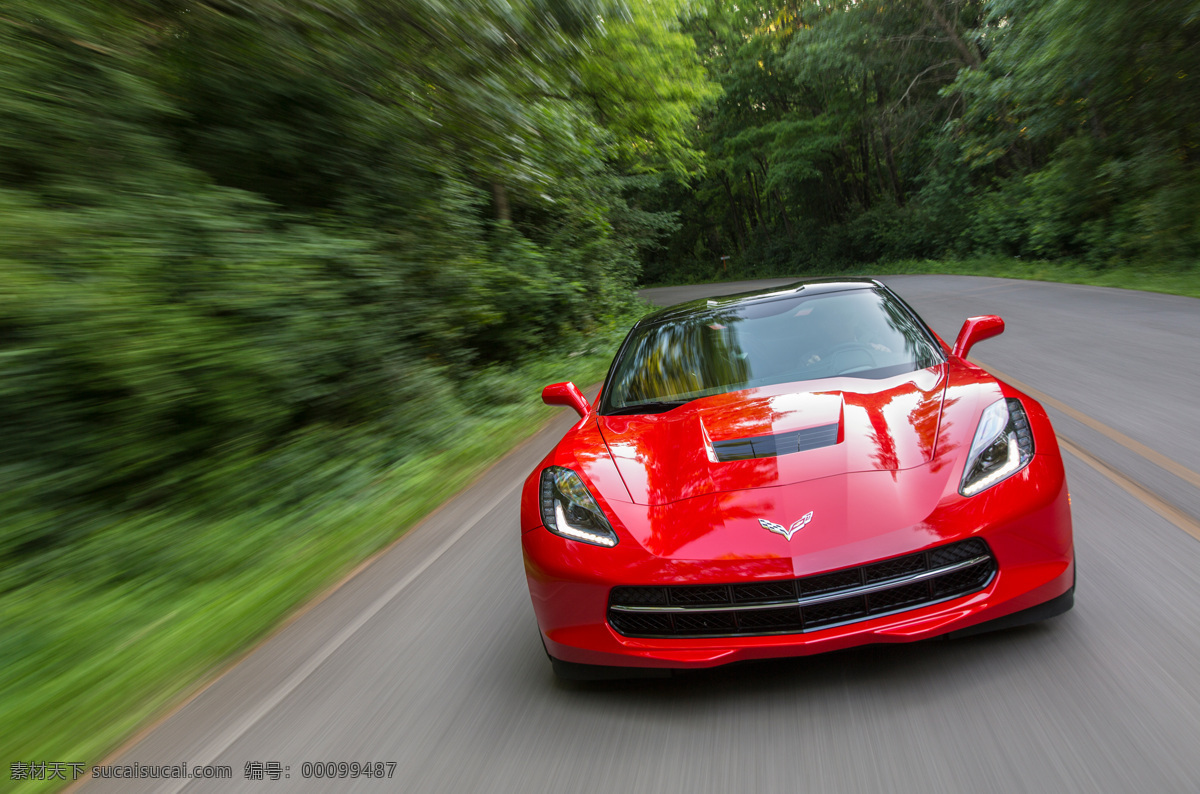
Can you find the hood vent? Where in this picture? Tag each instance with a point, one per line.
(775, 445)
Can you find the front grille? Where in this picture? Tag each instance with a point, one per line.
(891, 569)
(764, 592)
(829, 582)
(685, 596)
(639, 596)
(793, 606)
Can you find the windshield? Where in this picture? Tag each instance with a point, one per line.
(862, 333)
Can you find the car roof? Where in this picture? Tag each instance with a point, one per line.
(815, 286)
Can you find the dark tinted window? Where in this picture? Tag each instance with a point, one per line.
(857, 333)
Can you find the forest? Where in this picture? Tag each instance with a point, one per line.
(276, 276)
(874, 130)
(239, 239)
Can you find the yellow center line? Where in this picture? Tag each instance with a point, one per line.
(1157, 458)
(1170, 512)
(1165, 509)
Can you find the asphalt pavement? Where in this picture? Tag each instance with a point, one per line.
(429, 659)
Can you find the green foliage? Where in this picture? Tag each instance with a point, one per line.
(644, 79)
(258, 259)
(872, 130)
(1091, 105)
(228, 229)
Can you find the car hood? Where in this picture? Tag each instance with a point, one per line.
(847, 424)
(850, 518)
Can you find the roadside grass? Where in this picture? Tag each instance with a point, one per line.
(85, 662)
(1171, 279)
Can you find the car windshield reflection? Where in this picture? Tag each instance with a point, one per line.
(862, 333)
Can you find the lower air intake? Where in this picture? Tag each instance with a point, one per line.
(793, 606)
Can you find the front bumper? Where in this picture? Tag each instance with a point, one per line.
(1025, 522)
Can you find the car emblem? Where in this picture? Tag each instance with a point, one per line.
(778, 529)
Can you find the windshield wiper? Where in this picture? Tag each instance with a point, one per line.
(647, 408)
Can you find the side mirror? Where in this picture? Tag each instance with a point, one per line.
(567, 394)
(976, 329)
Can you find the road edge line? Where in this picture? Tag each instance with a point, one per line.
(212, 751)
(218, 672)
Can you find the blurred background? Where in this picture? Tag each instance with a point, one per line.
(278, 276)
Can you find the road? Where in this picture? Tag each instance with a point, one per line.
(429, 657)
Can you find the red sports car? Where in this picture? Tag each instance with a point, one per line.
(789, 472)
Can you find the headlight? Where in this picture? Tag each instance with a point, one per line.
(569, 510)
(1003, 444)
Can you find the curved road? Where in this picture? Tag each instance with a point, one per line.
(429, 657)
